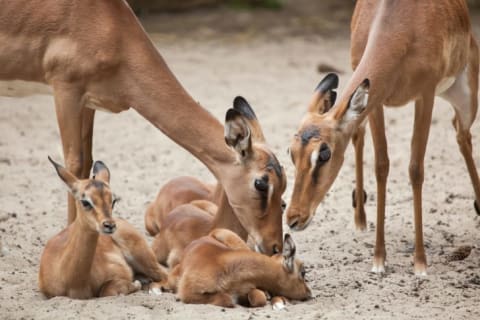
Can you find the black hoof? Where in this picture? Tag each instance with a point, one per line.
(477, 207)
(354, 198)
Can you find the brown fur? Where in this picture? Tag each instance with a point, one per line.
(406, 49)
(96, 55)
(232, 270)
(81, 263)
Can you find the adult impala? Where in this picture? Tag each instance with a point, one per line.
(96, 55)
(408, 50)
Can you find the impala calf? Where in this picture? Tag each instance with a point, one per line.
(189, 222)
(96, 255)
(178, 191)
(409, 50)
(219, 269)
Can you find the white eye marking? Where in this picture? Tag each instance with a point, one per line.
(313, 158)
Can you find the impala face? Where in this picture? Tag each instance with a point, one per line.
(258, 177)
(317, 149)
(95, 200)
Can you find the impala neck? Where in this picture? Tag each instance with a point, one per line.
(259, 270)
(157, 95)
(80, 249)
(226, 218)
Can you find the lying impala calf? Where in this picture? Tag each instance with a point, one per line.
(96, 255)
(219, 268)
(178, 191)
(409, 50)
(189, 222)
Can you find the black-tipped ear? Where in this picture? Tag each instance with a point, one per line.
(324, 96)
(101, 172)
(241, 105)
(330, 82)
(67, 177)
(237, 133)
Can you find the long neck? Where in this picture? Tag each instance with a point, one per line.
(78, 254)
(157, 95)
(226, 218)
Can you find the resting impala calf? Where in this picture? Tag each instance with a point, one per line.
(189, 222)
(96, 255)
(178, 191)
(409, 51)
(219, 268)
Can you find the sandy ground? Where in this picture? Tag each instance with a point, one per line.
(276, 74)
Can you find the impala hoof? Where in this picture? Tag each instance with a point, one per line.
(155, 291)
(477, 207)
(354, 198)
(278, 303)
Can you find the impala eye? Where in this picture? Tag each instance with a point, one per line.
(324, 153)
(86, 204)
(262, 184)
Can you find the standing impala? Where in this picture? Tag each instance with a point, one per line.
(401, 51)
(96, 56)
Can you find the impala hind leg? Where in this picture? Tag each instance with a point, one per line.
(359, 194)
(136, 251)
(382, 165)
(87, 140)
(119, 286)
(70, 117)
(220, 299)
(463, 97)
(421, 129)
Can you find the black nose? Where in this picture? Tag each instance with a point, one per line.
(109, 226)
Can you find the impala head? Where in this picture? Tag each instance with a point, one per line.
(260, 179)
(317, 149)
(94, 198)
(292, 281)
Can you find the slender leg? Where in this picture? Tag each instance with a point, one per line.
(463, 97)
(119, 286)
(382, 165)
(257, 298)
(421, 129)
(136, 251)
(70, 118)
(87, 137)
(358, 194)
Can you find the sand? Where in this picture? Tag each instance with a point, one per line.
(277, 75)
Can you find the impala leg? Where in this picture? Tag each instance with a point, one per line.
(421, 128)
(70, 119)
(87, 137)
(463, 97)
(119, 286)
(219, 299)
(358, 194)
(136, 251)
(382, 165)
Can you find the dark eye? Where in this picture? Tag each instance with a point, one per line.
(86, 204)
(324, 153)
(262, 184)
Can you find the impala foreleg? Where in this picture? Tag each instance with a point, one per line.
(358, 196)
(421, 129)
(382, 164)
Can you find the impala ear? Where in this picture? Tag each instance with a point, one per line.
(67, 177)
(101, 172)
(325, 95)
(357, 104)
(237, 133)
(241, 105)
(288, 253)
